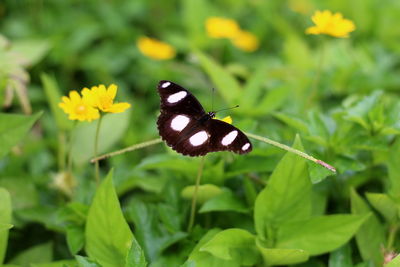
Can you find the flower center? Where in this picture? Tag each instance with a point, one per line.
(80, 109)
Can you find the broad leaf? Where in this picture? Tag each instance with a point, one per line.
(13, 127)
(5, 221)
(278, 256)
(85, 262)
(385, 205)
(320, 234)
(287, 196)
(371, 235)
(135, 257)
(42, 253)
(341, 257)
(108, 237)
(204, 192)
(233, 244)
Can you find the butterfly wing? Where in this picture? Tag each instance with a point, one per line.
(180, 112)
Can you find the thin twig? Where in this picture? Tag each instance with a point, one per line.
(127, 149)
(293, 150)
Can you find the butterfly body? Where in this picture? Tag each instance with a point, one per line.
(188, 129)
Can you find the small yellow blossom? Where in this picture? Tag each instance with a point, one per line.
(218, 27)
(155, 49)
(227, 119)
(246, 41)
(78, 108)
(331, 24)
(103, 98)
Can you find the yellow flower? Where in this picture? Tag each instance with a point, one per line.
(103, 98)
(78, 108)
(218, 27)
(246, 41)
(155, 49)
(331, 24)
(227, 119)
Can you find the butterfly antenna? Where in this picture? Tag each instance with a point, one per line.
(226, 108)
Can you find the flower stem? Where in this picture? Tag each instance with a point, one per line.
(290, 149)
(194, 198)
(127, 149)
(96, 144)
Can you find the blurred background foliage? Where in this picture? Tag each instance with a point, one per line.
(350, 118)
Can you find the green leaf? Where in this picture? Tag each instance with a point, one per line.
(61, 263)
(287, 196)
(200, 258)
(233, 244)
(226, 201)
(292, 122)
(227, 85)
(135, 257)
(394, 263)
(108, 237)
(371, 235)
(13, 127)
(278, 256)
(42, 253)
(385, 205)
(85, 262)
(341, 257)
(112, 128)
(75, 238)
(205, 192)
(53, 95)
(5, 221)
(320, 234)
(394, 171)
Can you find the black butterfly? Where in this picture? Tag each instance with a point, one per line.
(189, 130)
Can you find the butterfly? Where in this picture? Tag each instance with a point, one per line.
(188, 129)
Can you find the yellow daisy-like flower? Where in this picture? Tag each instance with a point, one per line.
(218, 27)
(103, 98)
(331, 24)
(78, 108)
(155, 49)
(246, 41)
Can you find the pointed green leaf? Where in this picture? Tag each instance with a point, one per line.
(5, 221)
(135, 257)
(371, 235)
(279, 256)
(227, 85)
(108, 236)
(13, 127)
(320, 234)
(233, 244)
(385, 205)
(203, 258)
(287, 195)
(37, 254)
(86, 262)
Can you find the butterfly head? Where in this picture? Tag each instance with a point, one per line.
(211, 114)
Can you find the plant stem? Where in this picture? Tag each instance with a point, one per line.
(127, 149)
(392, 234)
(290, 149)
(96, 144)
(194, 198)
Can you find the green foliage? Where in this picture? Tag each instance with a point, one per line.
(337, 98)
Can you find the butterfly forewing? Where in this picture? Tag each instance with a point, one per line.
(189, 130)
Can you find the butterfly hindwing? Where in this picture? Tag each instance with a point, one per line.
(188, 129)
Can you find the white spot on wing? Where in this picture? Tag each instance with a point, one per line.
(165, 85)
(245, 146)
(179, 122)
(229, 138)
(176, 97)
(198, 138)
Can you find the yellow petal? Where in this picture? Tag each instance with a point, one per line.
(227, 119)
(118, 108)
(112, 91)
